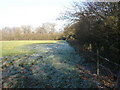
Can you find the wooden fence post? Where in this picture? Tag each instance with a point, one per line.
(118, 81)
(98, 71)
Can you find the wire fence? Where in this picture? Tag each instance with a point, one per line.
(105, 66)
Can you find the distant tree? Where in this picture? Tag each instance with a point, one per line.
(26, 30)
(7, 33)
(40, 30)
(16, 33)
(49, 27)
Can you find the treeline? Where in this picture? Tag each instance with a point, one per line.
(45, 32)
(96, 26)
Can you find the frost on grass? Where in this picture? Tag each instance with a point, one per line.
(52, 65)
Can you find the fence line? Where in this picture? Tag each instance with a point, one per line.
(106, 59)
(106, 67)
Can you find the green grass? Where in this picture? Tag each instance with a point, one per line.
(51, 64)
(15, 47)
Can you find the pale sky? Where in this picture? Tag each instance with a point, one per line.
(31, 12)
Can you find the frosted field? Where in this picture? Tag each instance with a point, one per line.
(51, 65)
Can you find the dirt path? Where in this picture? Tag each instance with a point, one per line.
(51, 66)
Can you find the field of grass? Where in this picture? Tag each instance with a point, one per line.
(17, 47)
(40, 64)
